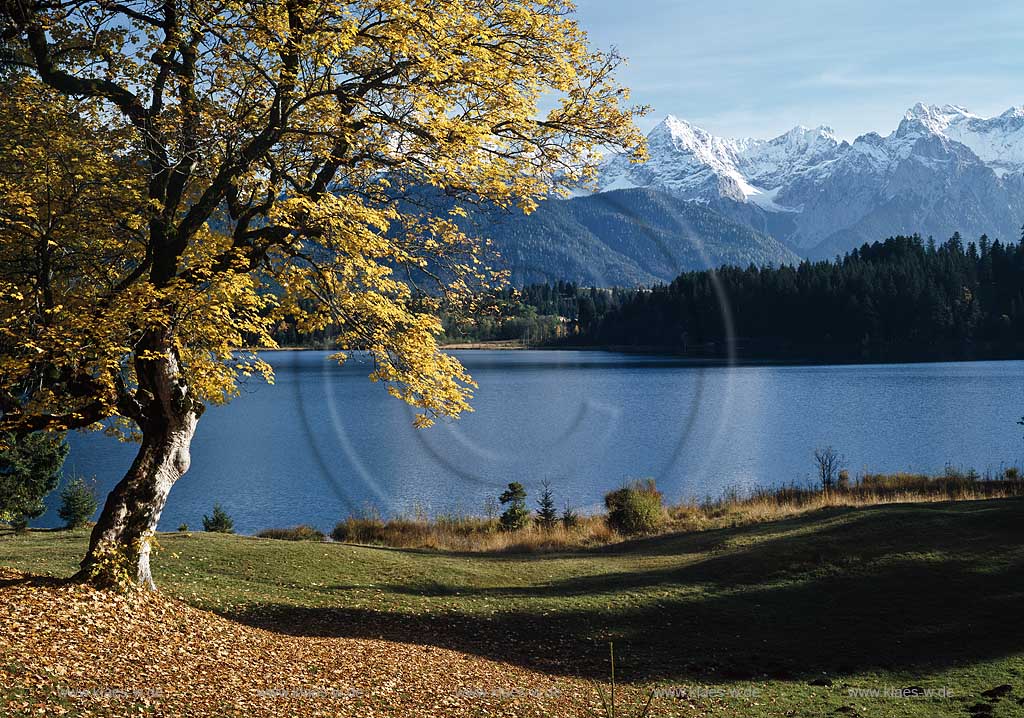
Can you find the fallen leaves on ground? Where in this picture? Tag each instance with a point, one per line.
(67, 649)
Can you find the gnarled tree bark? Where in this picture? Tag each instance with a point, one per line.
(167, 418)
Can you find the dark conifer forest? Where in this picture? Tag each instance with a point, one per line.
(904, 298)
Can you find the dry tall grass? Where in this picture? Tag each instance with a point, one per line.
(471, 533)
(734, 508)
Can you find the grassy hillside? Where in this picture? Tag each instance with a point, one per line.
(792, 614)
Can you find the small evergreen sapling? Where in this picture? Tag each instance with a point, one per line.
(78, 502)
(547, 514)
(570, 519)
(516, 516)
(219, 522)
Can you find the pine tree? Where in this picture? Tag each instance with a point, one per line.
(220, 522)
(29, 470)
(78, 502)
(516, 515)
(547, 514)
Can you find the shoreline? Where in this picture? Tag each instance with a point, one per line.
(689, 360)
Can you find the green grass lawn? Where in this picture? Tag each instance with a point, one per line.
(892, 597)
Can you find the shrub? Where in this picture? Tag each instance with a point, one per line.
(183, 528)
(547, 514)
(570, 519)
(29, 470)
(356, 529)
(365, 526)
(78, 502)
(844, 480)
(219, 522)
(516, 516)
(635, 508)
(302, 532)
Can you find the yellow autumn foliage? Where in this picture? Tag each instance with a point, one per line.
(178, 178)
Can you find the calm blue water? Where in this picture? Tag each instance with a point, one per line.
(323, 442)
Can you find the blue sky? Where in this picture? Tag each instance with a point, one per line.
(743, 68)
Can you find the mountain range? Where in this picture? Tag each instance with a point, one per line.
(626, 237)
(944, 169)
(701, 201)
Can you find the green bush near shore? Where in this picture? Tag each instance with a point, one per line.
(635, 508)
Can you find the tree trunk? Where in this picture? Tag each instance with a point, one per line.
(168, 419)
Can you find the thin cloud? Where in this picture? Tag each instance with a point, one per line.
(747, 68)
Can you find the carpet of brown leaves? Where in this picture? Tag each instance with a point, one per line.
(66, 649)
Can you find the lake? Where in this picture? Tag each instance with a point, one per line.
(323, 442)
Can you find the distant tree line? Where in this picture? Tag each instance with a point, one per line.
(904, 298)
(536, 315)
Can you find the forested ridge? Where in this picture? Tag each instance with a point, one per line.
(627, 238)
(904, 298)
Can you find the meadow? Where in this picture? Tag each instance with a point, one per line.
(840, 610)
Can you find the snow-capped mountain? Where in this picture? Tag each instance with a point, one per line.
(687, 161)
(998, 142)
(942, 170)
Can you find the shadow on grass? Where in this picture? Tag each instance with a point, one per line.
(905, 589)
(34, 580)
